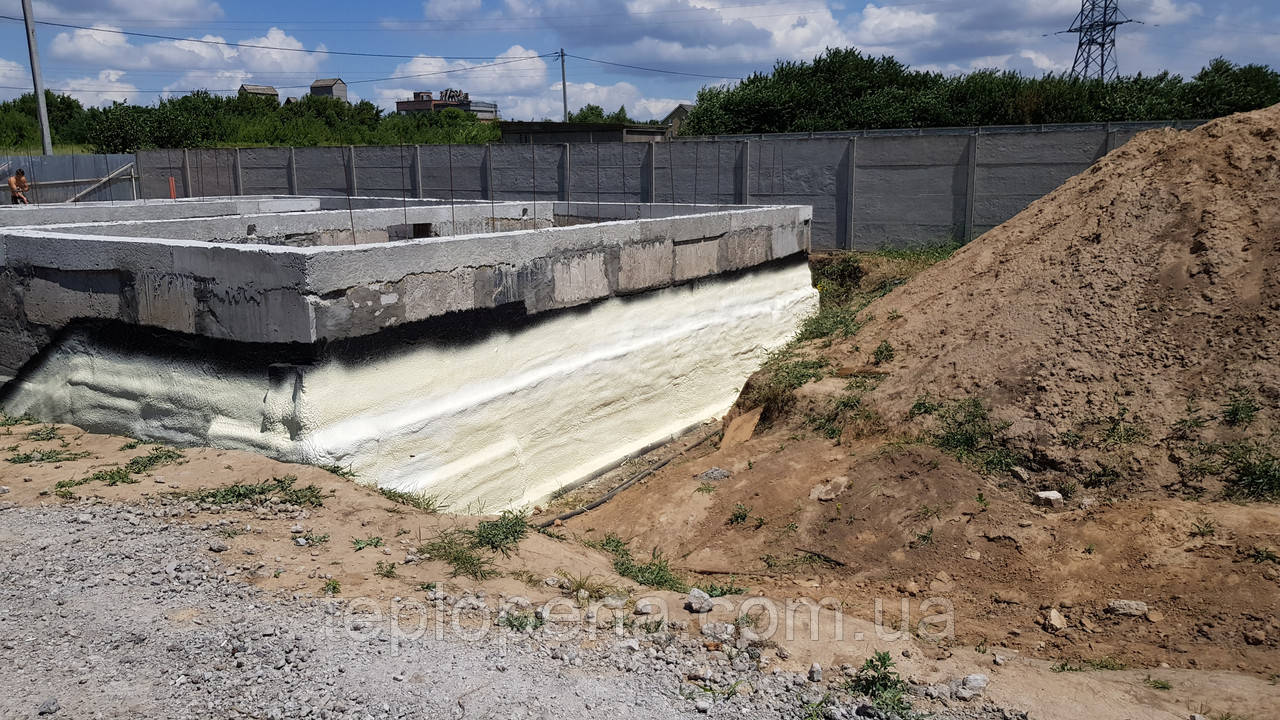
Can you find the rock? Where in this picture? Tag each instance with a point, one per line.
(1054, 621)
(829, 490)
(217, 546)
(300, 542)
(1011, 596)
(48, 707)
(4, 489)
(975, 681)
(1197, 716)
(648, 606)
(911, 587)
(698, 601)
(84, 518)
(1021, 473)
(1134, 608)
(631, 644)
(719, 631)
(1087, 502)
(941, 583)
(1049, 498)
(782, 653)
(714, 474)
(703, 705)
(1155, 616)
(999, 660)
(296, 530)
(1255, 637)
(614, 602)
(972, 554)
(869, 711)
(815, 673)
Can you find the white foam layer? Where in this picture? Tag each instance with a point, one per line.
(501, 422)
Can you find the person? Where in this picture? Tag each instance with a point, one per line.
(18, 185)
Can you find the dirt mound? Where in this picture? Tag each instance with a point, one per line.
(1136, 306)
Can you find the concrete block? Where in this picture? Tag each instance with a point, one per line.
(62, 296)
(426, 295)
(579, 278)
(166, 300)
(743, 249)
(695, 259)
(645, 266)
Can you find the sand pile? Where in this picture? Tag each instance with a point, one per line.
(1143, 292)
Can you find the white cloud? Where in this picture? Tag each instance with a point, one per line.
(430, 73)
(150, 10)
(883, 25)
(1165, 12)
(106, 88)
(449, 9)
(14, 76)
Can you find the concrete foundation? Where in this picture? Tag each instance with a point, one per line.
(414, 358)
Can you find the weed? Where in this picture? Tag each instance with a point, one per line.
(502, 535)
(774, 386)
(746, 621)
(829, 321)
(157, 457)
(1118, 431)
(231, 531)
(454, 548)
(428, 503)
(740, 514)
(259, 493)
(313, 539)
(705, 488)
(653, 626)
(1260, 555)
(893, 315)
(1254, 472)
(131, 445)
(361, 543)
(521, 622)
(1158, 684)
(1071, 439)
(402, 531)
(844, 410)
(967, 431)
(879, 681)
(983, 501)
(41, 434)
(815, 709)
(1089, 549)
(981, 647)
(1189, 426)
(1104, 663)
(1240, 408)
(1065, 666)
(428, 586)
(925, 512)
(11, 420)
(883, 353)
(1104, 476)
(114, 476)
(552, 533)
(343, 472)
(1067, 487)
(759, 522)
(46, 456)
(1203, 527)
(924, 405)
(595, 589)
(655, 573)
(385, 569)
(332, 587)
(714, 590)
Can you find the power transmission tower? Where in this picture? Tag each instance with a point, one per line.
(1096, 25)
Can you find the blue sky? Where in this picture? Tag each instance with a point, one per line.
(724, 39)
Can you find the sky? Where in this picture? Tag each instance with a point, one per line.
(499, 50)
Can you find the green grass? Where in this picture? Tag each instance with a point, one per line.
(502, 535)
(656, 573)
(314, 539)
(841, 412)
(1253, 472)
(521, 622)
(705, 488)
(595, 589)
(740, 514)
(42, 434)
(57, 455)
(343, 472)
(11, 420)
(773, 388)
(830, 321)
(454, 548)
(1157, 684)
(1260, 555)
(1203, 527)
(431, 504)
(259, 493)
(361, 543)
(384, 569)
(967, 431)
(1240, 409)
(155, 458)
(331, 587)
(1117, 430)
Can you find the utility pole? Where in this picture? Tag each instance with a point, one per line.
(1096, 25)
(564, 86)
(41, 111)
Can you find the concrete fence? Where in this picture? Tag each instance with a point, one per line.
(868, 189)
(63, 178)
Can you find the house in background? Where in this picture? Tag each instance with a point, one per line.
(260, 91)
(675, 118)
(424, 102)
(330, 87)
(560, 132)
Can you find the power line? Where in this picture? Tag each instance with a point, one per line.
(654, 70)
(251, 46)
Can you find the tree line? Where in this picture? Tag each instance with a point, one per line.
(843, 89)
(202, 119)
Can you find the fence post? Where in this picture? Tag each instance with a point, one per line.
(237, 179)
(186, 173)
(488, 171)
(417, 171)
(744, 182)
(292, 169)
(136, 175)
(850, 176)
(1111, 138)
(351, 170)
(567, 172)
(971, 189)
(653, 161)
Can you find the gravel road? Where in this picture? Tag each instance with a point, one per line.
(109, 612)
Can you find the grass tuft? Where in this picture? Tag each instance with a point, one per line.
(361, 543)
(655, 573)
(431, 504)
(453, 547)
(44, 433)
(967, 431)
(1240, 409)
(259, 493)
(503, 534)
(56, 455)
(878, 680)
(155, 458)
